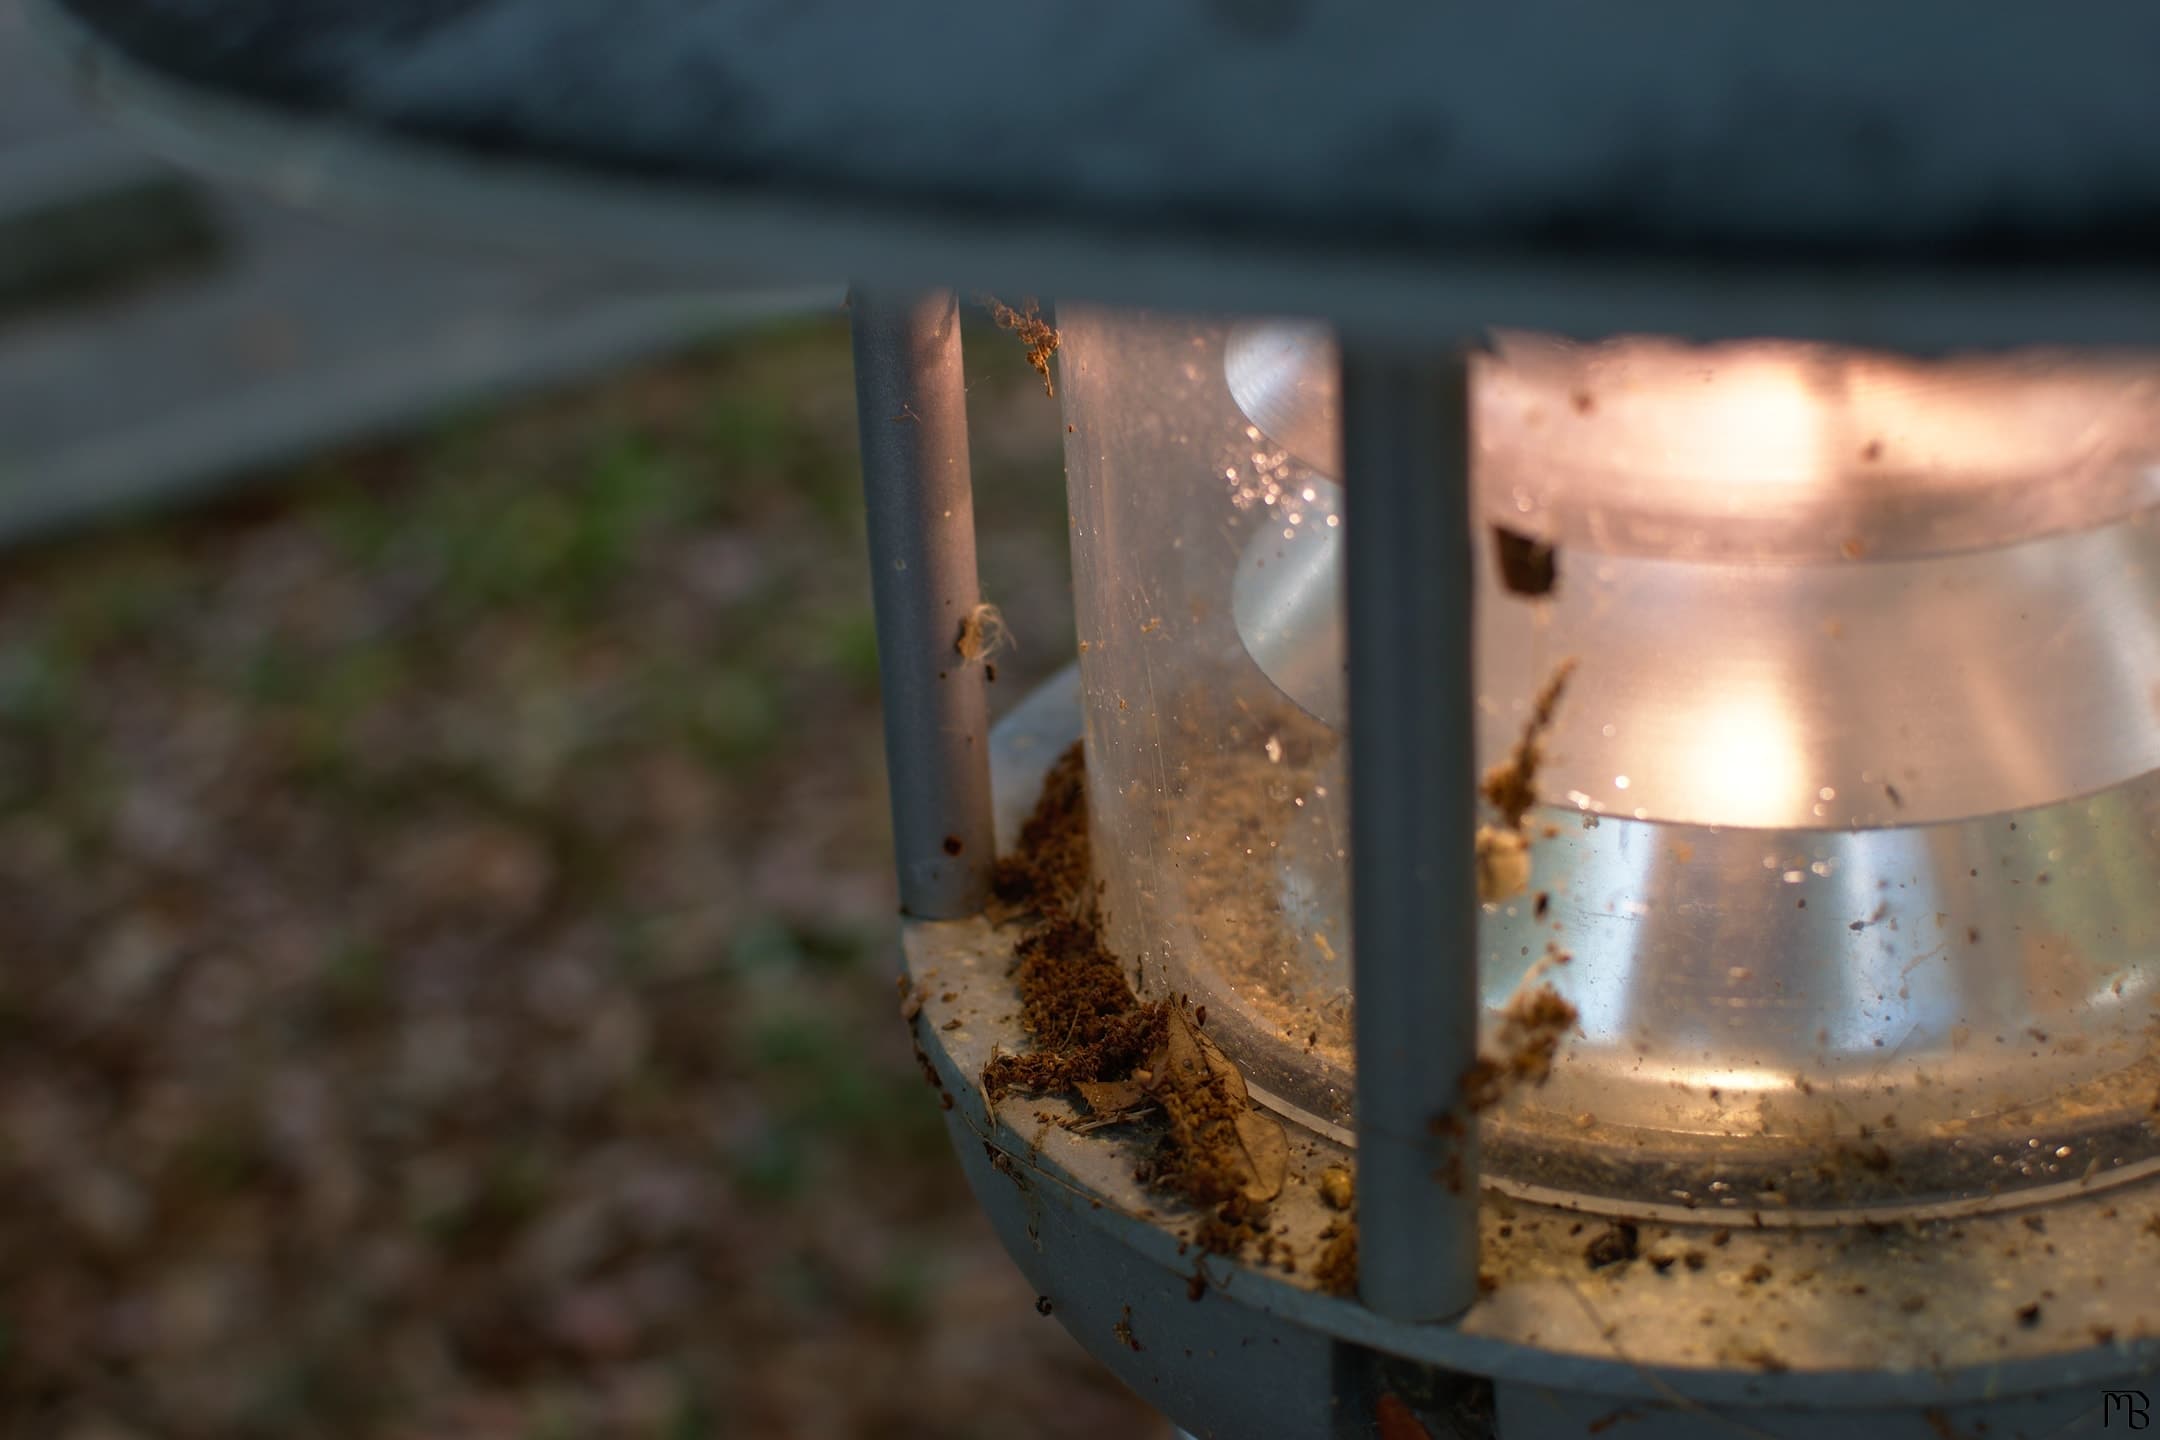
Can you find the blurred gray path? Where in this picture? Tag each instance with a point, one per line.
(187, 338)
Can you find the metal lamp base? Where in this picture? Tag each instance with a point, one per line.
(2039, 1322)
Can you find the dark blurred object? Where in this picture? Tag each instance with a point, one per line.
(1441, 169)
(163, 339)
(84, 210)
(1528, 566)
(86, 214)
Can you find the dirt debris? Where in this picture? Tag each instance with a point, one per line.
(1613, 1245)
(1028, 325)
(1503, 850)
(1075, 1003)
(1338, 1187)
(1532, 1026)
(1536, 1018)
(1219, 1149)
(1511, 786)
(1528, 566)
(1503, 864)
(1124, 1059)
(1049, 873)
(982, 634)
(1765, 1359)
(1337, 1269)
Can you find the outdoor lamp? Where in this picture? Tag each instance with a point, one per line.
(1611, 878)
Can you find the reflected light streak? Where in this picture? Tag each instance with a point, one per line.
(1742, 762)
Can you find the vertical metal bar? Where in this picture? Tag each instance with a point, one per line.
(911, 406)
(1413, 778)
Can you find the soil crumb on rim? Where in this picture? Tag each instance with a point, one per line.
(1337, 1270)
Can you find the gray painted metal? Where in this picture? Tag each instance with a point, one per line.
(1691, 127)
(1374, 284)
(1413, 813)
(1535, 1412)
(1220, 1369)
(911, 405)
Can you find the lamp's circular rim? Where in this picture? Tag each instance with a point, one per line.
(1552, 1319)
(1378, 283)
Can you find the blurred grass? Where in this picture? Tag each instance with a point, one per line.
(447, 929)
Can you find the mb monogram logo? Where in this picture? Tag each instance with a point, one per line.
(2126, 1408)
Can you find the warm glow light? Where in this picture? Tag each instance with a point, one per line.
(1757, 426)
(1773, 448)
(1744, 762)
(1940, 426)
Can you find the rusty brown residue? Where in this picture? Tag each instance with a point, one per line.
(1038, 334)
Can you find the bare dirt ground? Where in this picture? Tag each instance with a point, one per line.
(445, 943)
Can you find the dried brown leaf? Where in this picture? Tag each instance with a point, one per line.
(1114, 1097)
(1256, 1149)
(1267, 1154)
